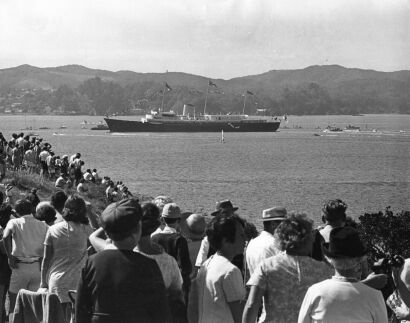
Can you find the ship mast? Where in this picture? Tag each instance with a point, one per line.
(206, 97)
(163, 96)
(244, 102)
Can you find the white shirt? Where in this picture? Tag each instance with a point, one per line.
(259, 249)
(28, 236)
(43, 155)
(203, 252)
(338, 301)
(218, 283)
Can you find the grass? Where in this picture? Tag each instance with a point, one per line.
(24, 182)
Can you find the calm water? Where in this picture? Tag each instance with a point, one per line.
(291, 167)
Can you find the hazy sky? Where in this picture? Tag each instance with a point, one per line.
(215, 38)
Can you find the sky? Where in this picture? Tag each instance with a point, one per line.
(213, 38)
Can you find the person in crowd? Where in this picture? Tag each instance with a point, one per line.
(193, 229)
(82, 186)
(45, 212)
(5, 271)
(224, 206)
(43, 162)
(51, 167)
(23, 242)
(96, 177)
(16, 157)
(126, 194)
(74, 157)
(174, 243)
(65, 250)
(334, 216)
(109, 191)
(29, 158)
(263, 246)
(61, 181)
(137, 288)
(167, 264)
(78, 174)
(343, 298)
(218, 292)
(57, 201)
(64, 164)
(282, 280)
(37, 151)
(3, 157)
(33, 198)
(399, 301)
(87, 176)
(9, 190)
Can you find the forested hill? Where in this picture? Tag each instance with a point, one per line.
(330, 89)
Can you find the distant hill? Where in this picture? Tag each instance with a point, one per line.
(313, 90)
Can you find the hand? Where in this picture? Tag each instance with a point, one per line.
(13, 262)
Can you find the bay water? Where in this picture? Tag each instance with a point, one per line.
(298, 167)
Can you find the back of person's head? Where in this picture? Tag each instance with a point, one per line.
(5, 213)
(294, 233)
(75, 210)
(77, 155)
(223, 227)
(23, 207)
(33, 198)
(94, 170)
(150, 219)
(58, 200)
(88, 170)
(122, 219)
(334, 211)
(45, 212)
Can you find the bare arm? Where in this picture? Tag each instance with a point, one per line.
(45, 265)
(98, 239)
(8, 246)
(252, 305)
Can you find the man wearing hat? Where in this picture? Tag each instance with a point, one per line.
(343, 298)
(174, 243)
(263, 246)
(118, 284)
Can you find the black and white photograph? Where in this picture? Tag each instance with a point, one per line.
(206, 161)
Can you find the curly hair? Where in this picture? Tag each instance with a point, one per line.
(294, 232)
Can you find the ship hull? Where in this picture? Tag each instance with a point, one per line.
(117, 125)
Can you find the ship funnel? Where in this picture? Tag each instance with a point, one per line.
(183, 111)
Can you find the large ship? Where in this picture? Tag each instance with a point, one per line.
(171, 122)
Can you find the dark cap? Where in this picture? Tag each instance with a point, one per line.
(122, 216)
(344, 242)
(225, 205)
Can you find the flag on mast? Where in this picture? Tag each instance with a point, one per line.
(249, 92)
(168, 87)
(212, 84)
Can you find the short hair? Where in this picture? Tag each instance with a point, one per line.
(222, 227)
(45, 212)
(150, 219)
(75, 210)
(267, 225)
(334, 210)
(58, 199)
(23, 207)
(293, 232)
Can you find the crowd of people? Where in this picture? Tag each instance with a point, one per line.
(152, 262)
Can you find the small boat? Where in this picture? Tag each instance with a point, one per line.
(84, 122)
(100, 126)
(63, 127)
(351, 128)
(43, 128)
(332, 129)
